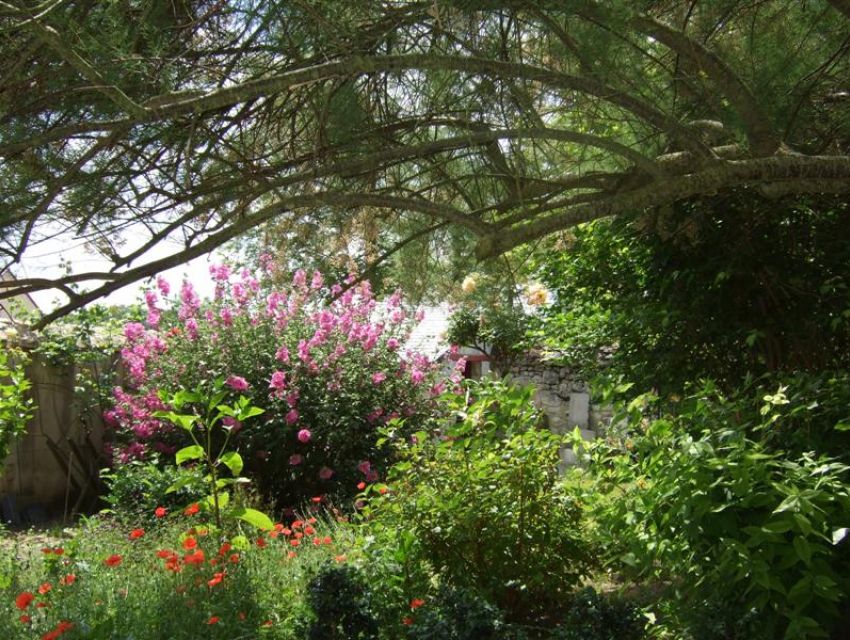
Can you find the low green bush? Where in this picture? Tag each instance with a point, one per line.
(137, 489)
(595, 616)
(480, 502)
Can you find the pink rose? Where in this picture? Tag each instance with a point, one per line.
(295, 459)
(304, 436)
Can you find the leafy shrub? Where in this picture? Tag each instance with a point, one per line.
(455, 614)
(481, 502)
(340, 602)
(735, 526)
(138, 488)
(593, 616)
(16, 407)
(327, 374)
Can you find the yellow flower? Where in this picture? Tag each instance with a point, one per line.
(536, 294)
(470, 283)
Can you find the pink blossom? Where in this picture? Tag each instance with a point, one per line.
(392, 344)
(163, 286)
(231, 423)
(133, 331)
(326, 473)
(220, 272)
(237, 383)
(278, 381)
(292, 416)
(226, 316)
(317, 281)
(372, 476)
(299, 279)
(192, 328)
(379, 377)
(282, 354)
(417, 376)
(364, 467)
(153, 318)
(304, 436)
(295, 459)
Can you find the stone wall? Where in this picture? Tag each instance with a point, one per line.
(564, 398)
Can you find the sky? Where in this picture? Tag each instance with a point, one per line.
(45, 260)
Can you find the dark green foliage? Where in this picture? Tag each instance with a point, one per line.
(697, 498)
(717, 287)
(456, 614)
(595, 616)
(340, 601)
(137, 488)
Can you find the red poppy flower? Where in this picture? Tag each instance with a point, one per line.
(113, 561)
(291, 554)
(68, 580)
(64, 626)
(165, 554)
(213, 620)
(192, 509)
(416, 603)
(361, 485)
(309, 530)
(261, 542)
(407, 620)
(216, 579)
(327, 540)
(190, 543)
(225, 549)
(295, 542)
(160, 512)
(45, 588)
(25, 619)
(317, 541)
(135, 534)
(317, 499)
(297, 524)
(24, 600)
(194, 558)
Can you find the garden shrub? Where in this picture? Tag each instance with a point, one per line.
(737, 528)
(455, 614)
(341, 604)
(16, 407)
(327, 372)
(138, 488)
(480, 501)
(594, 616)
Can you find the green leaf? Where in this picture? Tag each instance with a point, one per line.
(240, 542)
(226, 482)
(223, 500)
(803, 549)
(842, 426)
(250, 412)
(192, 452)
(179, 484)
(232, 461)
(253, 517)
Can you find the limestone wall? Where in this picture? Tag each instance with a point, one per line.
(564, 398)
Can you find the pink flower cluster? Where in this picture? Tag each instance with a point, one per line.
(291, 351)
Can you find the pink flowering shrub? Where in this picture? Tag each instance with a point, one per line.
(327, 373)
